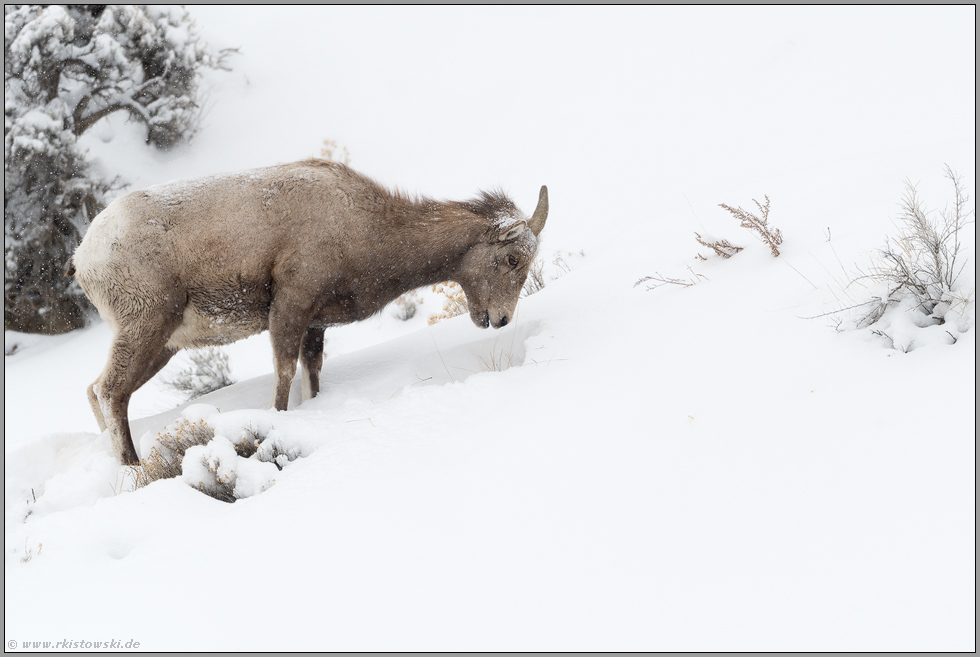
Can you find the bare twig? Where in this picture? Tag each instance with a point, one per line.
(722, 247)
(660, 281)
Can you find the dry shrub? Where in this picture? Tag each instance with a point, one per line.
(454, 304)
(724, 248)
(561, 265)
(769, 234)
(165, 458)
(407, 305)
(330, 151)
(924, 262)
(250, 444)
(221, 481)
(535, 279)
(209, 371)
(276, 453)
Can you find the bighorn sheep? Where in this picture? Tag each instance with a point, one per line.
(293, 248)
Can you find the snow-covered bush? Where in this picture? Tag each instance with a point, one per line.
(190, 450)
(164, 458)
(64, 68)
(217, 470)
(924, 262)
(49, 198)
(211, 469)
(209, 371)
(915, 280)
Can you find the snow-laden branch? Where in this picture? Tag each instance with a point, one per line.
(66, 67)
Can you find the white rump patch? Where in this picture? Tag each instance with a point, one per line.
(105, 230)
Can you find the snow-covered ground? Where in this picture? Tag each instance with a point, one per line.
(687, 468)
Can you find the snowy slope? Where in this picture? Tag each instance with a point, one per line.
(687, 468)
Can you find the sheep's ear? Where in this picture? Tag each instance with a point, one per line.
(512, 232)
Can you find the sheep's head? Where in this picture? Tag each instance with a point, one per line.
(493, 271)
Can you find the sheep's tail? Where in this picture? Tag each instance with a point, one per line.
(70, 269)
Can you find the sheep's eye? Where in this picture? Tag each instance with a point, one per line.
(512, 260)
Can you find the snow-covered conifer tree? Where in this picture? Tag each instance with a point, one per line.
(65, 67)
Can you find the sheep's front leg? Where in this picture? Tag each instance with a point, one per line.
(311, 357)
(287, 325)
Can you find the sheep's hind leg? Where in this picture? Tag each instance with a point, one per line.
(133, 360)
(158, 364)
(93, 390)
(311, 357)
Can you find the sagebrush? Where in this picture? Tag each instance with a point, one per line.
(535, 278)
(454, 303)
(759, 224)
(407, 305)
(209, 371)
(924, 262)
(330, 150)
(166, 456)
(722, 247)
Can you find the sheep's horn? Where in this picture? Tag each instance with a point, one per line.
(540, 213)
